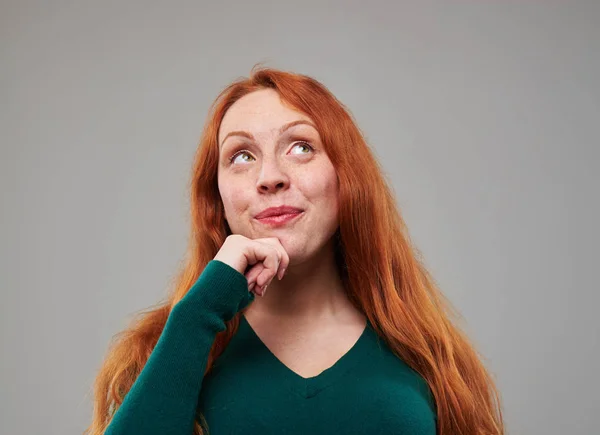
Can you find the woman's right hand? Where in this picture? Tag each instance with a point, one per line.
(266, 256)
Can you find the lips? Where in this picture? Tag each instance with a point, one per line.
(278, 211)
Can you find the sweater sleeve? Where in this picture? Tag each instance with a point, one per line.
(164, 397)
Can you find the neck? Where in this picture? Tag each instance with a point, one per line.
(311, 290)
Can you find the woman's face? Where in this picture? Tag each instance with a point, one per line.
(263, 164)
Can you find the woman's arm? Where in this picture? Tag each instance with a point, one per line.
(164, 397)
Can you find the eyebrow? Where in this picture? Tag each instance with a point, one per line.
(283, 128)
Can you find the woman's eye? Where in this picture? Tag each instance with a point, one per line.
(241, 153)
(304, 144)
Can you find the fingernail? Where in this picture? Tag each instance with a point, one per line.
(280, 276)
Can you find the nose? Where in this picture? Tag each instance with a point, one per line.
(271, 177)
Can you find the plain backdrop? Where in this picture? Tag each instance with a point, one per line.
(484, 115)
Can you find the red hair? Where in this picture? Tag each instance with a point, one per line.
(381, 269)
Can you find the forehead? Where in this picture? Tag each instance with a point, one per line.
(260, 112)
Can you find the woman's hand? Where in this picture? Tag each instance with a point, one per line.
(266, 258)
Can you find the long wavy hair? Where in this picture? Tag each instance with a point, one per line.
(382, 270)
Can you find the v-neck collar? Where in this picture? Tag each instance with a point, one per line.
(310, 387)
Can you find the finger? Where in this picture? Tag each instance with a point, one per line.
(264, 258)
(283, 264)
(253, 273)
(284, 258)
(270, 261)
(271, 266)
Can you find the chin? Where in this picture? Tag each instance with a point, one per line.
(301, 253)
(295, 249)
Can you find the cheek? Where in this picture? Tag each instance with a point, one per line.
(330, 180)
(321, 185)
(234, 197)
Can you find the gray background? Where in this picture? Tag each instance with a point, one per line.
(484, 114)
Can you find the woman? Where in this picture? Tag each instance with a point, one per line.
(352, 337)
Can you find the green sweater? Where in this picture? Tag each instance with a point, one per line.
(249, 391)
